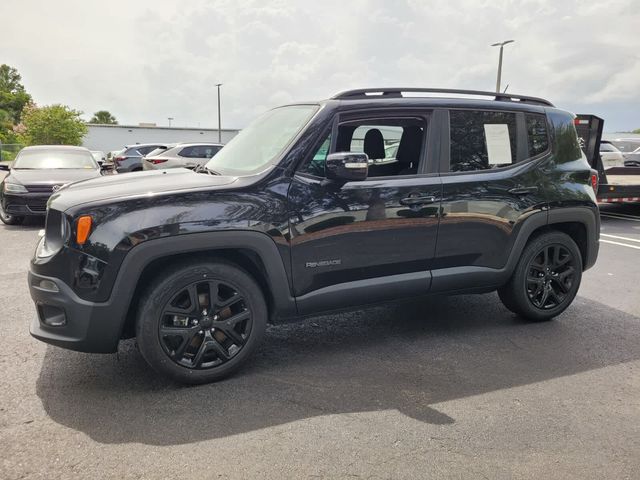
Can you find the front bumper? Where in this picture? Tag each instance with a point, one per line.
(25, 204)
(80, 325)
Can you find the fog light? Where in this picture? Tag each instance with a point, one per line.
(52, 316)
(48, 285)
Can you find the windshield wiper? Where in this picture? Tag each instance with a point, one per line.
(205, 169)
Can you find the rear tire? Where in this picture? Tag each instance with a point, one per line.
(546, 278)
(198, 323)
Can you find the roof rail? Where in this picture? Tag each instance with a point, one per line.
(397, 93)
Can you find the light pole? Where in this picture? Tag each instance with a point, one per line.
(169, 118)
(501, 45)
(218, 85)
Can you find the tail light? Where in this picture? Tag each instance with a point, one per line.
(594, 182)
(156, 161)
(119, 159)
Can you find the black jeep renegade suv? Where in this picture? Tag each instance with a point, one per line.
(369, 196)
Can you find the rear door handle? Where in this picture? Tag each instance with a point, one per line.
(523, 190)
(413, 200)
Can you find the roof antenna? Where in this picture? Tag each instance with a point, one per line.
(505, 88)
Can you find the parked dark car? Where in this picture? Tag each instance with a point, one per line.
(184, 155)
(130, 159)
(482, 195)
(36, 173)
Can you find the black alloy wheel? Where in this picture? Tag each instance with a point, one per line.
(546, 278)
(550, 276)
(205, 324)
(200, 320)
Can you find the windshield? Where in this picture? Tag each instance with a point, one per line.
(262, 141)
(54, 159)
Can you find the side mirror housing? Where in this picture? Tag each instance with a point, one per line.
(5, 166)
(347, 166)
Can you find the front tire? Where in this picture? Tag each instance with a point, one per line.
(200, 322)
(546, 278)
(10, 219)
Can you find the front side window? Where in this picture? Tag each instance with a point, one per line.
(259, 144)
(393, 146)
(482, 140)
(53, 159)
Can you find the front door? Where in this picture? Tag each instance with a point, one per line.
(372, 240)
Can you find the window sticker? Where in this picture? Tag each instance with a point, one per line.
(498, 144)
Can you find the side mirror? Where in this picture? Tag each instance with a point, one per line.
(347, 166)
(5, 167)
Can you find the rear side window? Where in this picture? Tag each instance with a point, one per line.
(147, 149)
(537, 137)
(199, 151)
(482, 140)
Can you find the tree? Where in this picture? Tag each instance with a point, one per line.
(51, 125)
(13, 99)
(637, 130)
(103, 117)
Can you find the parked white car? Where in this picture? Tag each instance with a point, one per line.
(611, 156)
(186, 155)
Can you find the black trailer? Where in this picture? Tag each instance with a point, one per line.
(617, 184)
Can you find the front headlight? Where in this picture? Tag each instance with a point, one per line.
(14, 188)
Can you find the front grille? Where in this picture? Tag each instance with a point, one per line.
(42, 188)
(37, 206)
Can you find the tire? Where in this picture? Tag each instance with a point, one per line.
(541, 287)
(10, 219)
(194, 344)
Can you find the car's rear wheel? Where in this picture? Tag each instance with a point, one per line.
(200, 322)
(546, 278)
(9, 219)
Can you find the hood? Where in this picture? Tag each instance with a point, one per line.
(60, 176)
(135, 184)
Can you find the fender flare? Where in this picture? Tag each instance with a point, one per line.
(142, 255)
(470, 278)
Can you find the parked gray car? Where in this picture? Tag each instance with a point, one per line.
(187, 155)
(130, 159)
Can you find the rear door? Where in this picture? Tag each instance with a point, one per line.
(492, 176)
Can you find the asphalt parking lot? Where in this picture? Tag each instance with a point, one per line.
(441, 388)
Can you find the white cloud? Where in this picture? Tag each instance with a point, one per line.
(150, 59)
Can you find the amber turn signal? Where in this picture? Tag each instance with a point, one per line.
(83, 229)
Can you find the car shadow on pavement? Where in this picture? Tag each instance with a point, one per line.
(403, 356)
(30, 223)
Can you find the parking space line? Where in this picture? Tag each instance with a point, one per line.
(611, 215)
(620, 214)
(620, 238)
(621, 244)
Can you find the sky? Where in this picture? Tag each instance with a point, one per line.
(147, 60)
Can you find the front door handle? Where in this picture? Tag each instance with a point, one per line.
(523, 190)
(413, 200)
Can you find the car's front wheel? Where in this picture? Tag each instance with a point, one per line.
(546, 278)
(9, 219)
(201, 321)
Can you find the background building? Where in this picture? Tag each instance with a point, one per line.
(114, 137)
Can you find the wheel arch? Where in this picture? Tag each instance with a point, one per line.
(255, 252)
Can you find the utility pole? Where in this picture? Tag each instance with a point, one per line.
(501, 45)
(218, 85)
